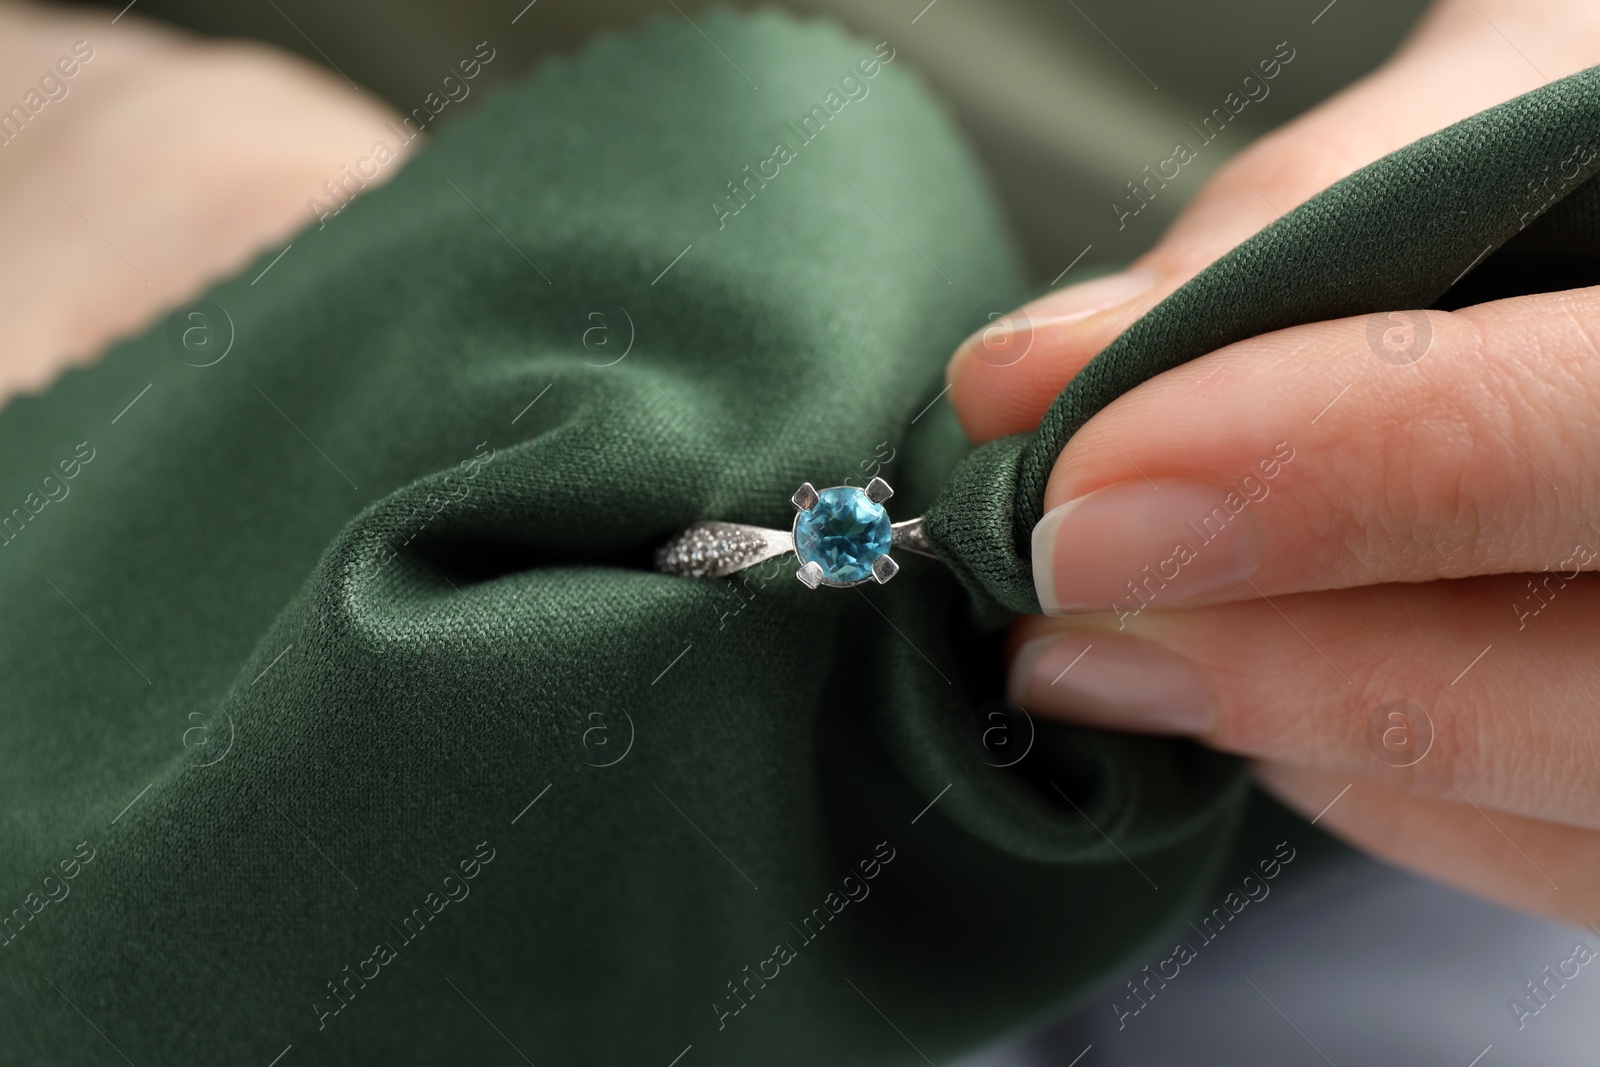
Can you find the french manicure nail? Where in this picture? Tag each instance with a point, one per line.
(1138, 545)
(1005, 339)
(1110, 680)
(1087, 298)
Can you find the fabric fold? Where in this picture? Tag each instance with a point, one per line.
(343, 660)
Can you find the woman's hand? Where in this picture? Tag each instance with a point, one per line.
(143, 165)
(1356, 552)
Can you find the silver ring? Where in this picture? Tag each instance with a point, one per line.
(842, 537)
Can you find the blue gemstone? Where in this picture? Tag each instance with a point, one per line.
(843, 533)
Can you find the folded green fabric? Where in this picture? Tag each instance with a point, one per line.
(343, 711)
(1505, 195)
(346, 723)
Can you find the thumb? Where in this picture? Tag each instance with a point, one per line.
(1465, 56)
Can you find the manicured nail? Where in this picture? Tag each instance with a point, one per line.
(1138, 545)
(1087, 298)
(1110, 680)
(1005, 339)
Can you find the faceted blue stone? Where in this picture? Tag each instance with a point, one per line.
(844, 533)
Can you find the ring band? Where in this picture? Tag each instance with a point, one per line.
(841, 535)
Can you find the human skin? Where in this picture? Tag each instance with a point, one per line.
(1389, 560)
(169, 164)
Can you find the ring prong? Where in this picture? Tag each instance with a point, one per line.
(810, 575)
(878, 491)
(884, 568)
(805, 497)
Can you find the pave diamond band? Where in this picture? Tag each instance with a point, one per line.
(718, 549)
(841, 535)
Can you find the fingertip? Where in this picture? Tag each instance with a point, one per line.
(1094, 677)
(1004, 376)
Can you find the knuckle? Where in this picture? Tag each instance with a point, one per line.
(1449, 474)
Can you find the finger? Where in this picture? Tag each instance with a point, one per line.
(1301, 460)
(1461, 61)
(1443, 691)
(1523, 863)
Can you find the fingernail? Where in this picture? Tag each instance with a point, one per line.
(1128, 547)
(1080, 301)
(1005, 339)
(1110, 680)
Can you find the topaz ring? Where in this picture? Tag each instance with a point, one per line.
(842, 537)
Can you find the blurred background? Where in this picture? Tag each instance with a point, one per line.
(1065, 101)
